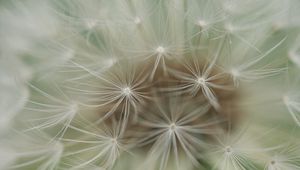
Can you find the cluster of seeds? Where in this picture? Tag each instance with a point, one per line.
(150, 84)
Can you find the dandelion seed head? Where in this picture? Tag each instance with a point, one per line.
(160, 88)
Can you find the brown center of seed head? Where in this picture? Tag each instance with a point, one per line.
(186, 82)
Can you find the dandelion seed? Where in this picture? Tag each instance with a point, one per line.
(59, 113)
(102, 146)
(284, 158)
(197, 78)
(172, 129)
(33, 151)
(234, 152)
(120, 88)
(248, 72)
